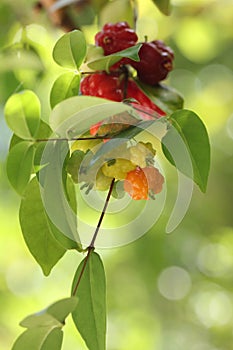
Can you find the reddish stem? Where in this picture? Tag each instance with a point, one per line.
(91, 246)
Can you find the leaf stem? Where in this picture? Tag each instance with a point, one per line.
(91, 246)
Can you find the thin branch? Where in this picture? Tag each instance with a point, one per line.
(91, 246)
(73, 138)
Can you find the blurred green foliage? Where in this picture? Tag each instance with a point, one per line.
(165, 292)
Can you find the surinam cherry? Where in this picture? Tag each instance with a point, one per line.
(141, 181)
(142, 154)
(116, 88)
(113, 87)
(136, 184)
(156, 61)
(118, 168)
(115, 37)
(102, 85)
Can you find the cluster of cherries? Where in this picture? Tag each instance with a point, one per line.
(155, 63)
(155, 57)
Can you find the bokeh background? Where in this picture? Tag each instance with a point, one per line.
(165, 292)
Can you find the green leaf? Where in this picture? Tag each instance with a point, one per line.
(167, 98)
(74, 163)
(62, 308)
(22, 113)
(57, 199)
(117, 11)
(37, 230)
(75, 115)
(71, 194)
(40, 338)
(70, 50)
(65, 241)
(44, 328)
(16, 59)
(44, 131)
(14, 141)
(105, 62)
(90, 314)
(20, 164)
(163, 6)
(40, 319)
(53, 315)
(33, 338)
(43, 134)
(94, 52)
(187, 125)
(72, 107)
(66, 85)
(53, 340)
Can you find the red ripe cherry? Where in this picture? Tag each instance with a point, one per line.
(155, 62)
(102, 85)
(133, 91)
(113, 87)
(115, 37)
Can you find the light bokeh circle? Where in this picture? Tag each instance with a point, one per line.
(126, 219)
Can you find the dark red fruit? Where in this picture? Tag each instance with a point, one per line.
(113, 87)
(115, 37)
(155, 62)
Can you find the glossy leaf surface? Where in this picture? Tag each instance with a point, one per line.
(105, 62)
(20, 165)
(58, 195)
(37, 230)
(22, 113)
(187, 125)
(66, 85)
(90, 314)
(166, 97)
(76, 115)
(70, 50)
(45, 327)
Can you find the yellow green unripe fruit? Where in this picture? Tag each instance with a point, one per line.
(118, 168)
(141, 153)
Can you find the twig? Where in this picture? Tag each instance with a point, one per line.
(73, 138)
(91, 246)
